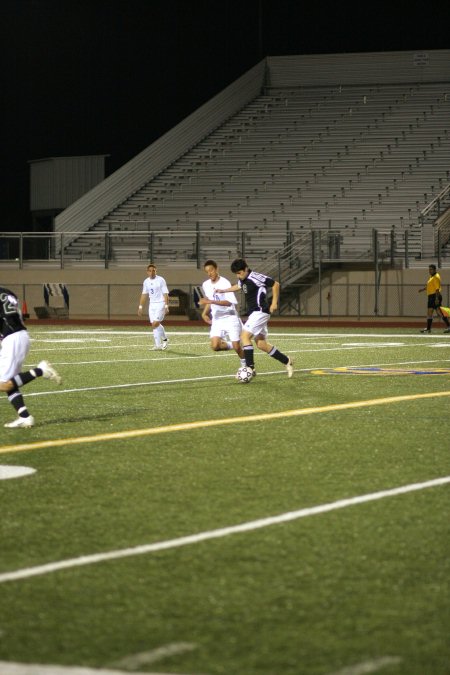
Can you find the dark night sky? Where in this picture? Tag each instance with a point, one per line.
(110, 76)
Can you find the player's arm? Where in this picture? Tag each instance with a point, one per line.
(142, 301)
(217, 298)
(275, 297)
(212, 301)
(166, 302)
(232, 289)
(206, 314)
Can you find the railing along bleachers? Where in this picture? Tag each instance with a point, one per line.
(223, 242)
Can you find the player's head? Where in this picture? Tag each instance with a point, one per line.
(240, 268)
(211, 269)
(432, 269)
(151, 270)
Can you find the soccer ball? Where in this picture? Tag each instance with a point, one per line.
(244, 374)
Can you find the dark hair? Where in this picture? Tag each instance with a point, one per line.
(210, 262)
(238, 265)
(432, 267)
(151, 265)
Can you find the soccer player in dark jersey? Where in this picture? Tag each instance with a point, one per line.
(255, 285)
(15, 346)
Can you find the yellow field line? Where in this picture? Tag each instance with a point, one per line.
(204, 424)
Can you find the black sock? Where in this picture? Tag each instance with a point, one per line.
(29, 376)
(429, 322)
(279, 356)
(16, 400)
(249, 356)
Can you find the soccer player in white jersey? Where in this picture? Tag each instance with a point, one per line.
(255, 285)
(155, 289)
(219, 312)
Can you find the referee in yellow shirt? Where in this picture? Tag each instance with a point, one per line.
(434, 299)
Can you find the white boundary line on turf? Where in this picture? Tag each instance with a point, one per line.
(13, 668)
(128, 385)
(250, 526)
(205, 329)
(367, 667)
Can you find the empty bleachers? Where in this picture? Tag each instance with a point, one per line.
(339, 157)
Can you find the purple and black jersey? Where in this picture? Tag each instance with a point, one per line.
(255, 287)
(10, 314)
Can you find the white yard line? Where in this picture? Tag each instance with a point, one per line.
(7, 668)
(134, 661)
(300, 334)
(250, 526)
(185, 380)
(367, 667)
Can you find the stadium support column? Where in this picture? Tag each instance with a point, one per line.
(377, 281)
(197, 245)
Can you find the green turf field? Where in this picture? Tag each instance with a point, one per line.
(180, 522)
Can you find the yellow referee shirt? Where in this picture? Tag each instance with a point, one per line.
(434, 284)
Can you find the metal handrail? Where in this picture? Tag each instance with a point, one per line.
(285, 252)
(434, 202)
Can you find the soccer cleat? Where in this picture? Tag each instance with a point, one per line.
(425, 330)
(24, 422)
(447, 330)
(290, 367)
(165, 344)
(49, 372)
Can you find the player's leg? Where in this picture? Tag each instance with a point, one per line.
(156, 314)
(14, 350)
(247, 347)
(431, 302)
(163, 336)
(218, 344)
(216, 335)
(156, 338)
(234, 329)
(239, 351)
(156, 329)
(265, 346)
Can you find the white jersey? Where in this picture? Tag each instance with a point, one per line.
(155, 289)
(211, 289)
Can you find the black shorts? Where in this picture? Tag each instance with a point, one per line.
(434, 300)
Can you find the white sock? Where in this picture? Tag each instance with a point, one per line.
(156, 337)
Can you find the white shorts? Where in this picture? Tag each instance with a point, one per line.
(256, 324)
(156, 311)
(226, 325)
(13, 353)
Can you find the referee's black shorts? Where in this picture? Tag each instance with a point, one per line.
(434, 300)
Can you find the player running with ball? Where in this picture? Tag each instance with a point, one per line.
(255, 285)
